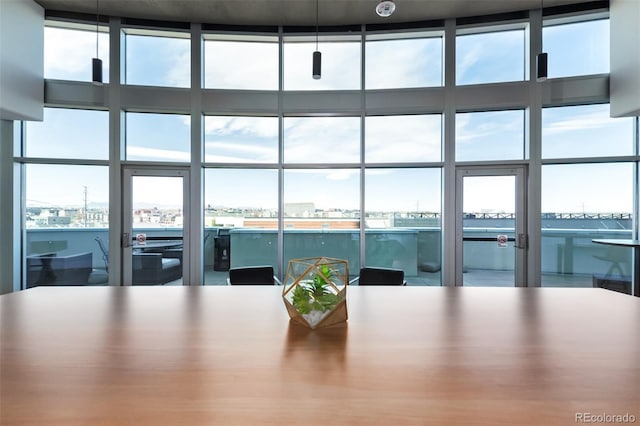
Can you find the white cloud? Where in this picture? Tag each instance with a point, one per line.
(322, 139)
(235, 152)
(593, 120)
(179, 75)
(403, 138)
(263, 127)
(403, 63)
(241, 65)
(344, 174)
(137, 152)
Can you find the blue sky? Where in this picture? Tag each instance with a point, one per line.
(578, 132)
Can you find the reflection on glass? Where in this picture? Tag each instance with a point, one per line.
(403, 138)
(168, 57)
(321, 139)
(340, 65)
(322, 215)
(68, 53)
(581, 202)
(69, 133)
(585, 131)
(490, 57)
(489, 222)
(233, 139)
(491, 135)
(240, 221)
(237, 64)
(402, 63)
(402, 222)
(579, 48)
(159, 137)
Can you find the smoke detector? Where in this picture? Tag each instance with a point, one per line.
(385, 8)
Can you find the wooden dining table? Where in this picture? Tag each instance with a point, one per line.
(229, 355)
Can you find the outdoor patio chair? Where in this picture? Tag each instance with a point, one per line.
(252, 275)
(380, 276)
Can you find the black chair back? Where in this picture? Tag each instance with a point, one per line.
(381, 276)
(251, 275)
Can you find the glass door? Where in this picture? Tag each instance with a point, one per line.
(155, 238)
(491, 239)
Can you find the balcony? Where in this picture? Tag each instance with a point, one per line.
(569, 258)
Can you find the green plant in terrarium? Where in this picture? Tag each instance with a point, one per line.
(315, 294)
(315, 291)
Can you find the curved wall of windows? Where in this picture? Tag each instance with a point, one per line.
(359, 164)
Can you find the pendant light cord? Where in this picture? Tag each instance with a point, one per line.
(541, 24)
(317, 25)
(97, 22)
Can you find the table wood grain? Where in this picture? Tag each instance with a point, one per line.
(229, 356)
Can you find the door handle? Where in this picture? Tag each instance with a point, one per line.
(126, 240)
(522, 241)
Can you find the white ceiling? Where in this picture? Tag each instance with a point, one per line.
(294, 12)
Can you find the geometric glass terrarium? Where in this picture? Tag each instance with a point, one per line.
(315, 291)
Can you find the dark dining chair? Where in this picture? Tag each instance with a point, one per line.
(252, 275)
(380, 276)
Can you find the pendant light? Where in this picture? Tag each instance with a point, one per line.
(541, 59)
(96, 63)
(317, 56)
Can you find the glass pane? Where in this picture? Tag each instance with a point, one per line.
(66, 218)
(402, 222)
(157, 230)
(322, 139)
(581, 202)
(340, 65)
(490, 57)
(415, 62)
(157, 61)
(241, 64)
(403, 138)
(489, 222)
(68, 53)
(492, 135)
(159, 137)
(229, 139)
(240, 221)
(69, 133)
(580, 48)
(322, 215)
(585, 131)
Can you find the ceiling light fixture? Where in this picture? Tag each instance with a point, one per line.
(96, 63)
(317, 56)
(385, 8)
(541, 59)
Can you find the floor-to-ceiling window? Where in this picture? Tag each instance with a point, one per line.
(585, 193)
(66, 193)
(292, 166)
(588, 166)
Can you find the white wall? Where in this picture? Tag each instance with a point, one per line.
(21, 60)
